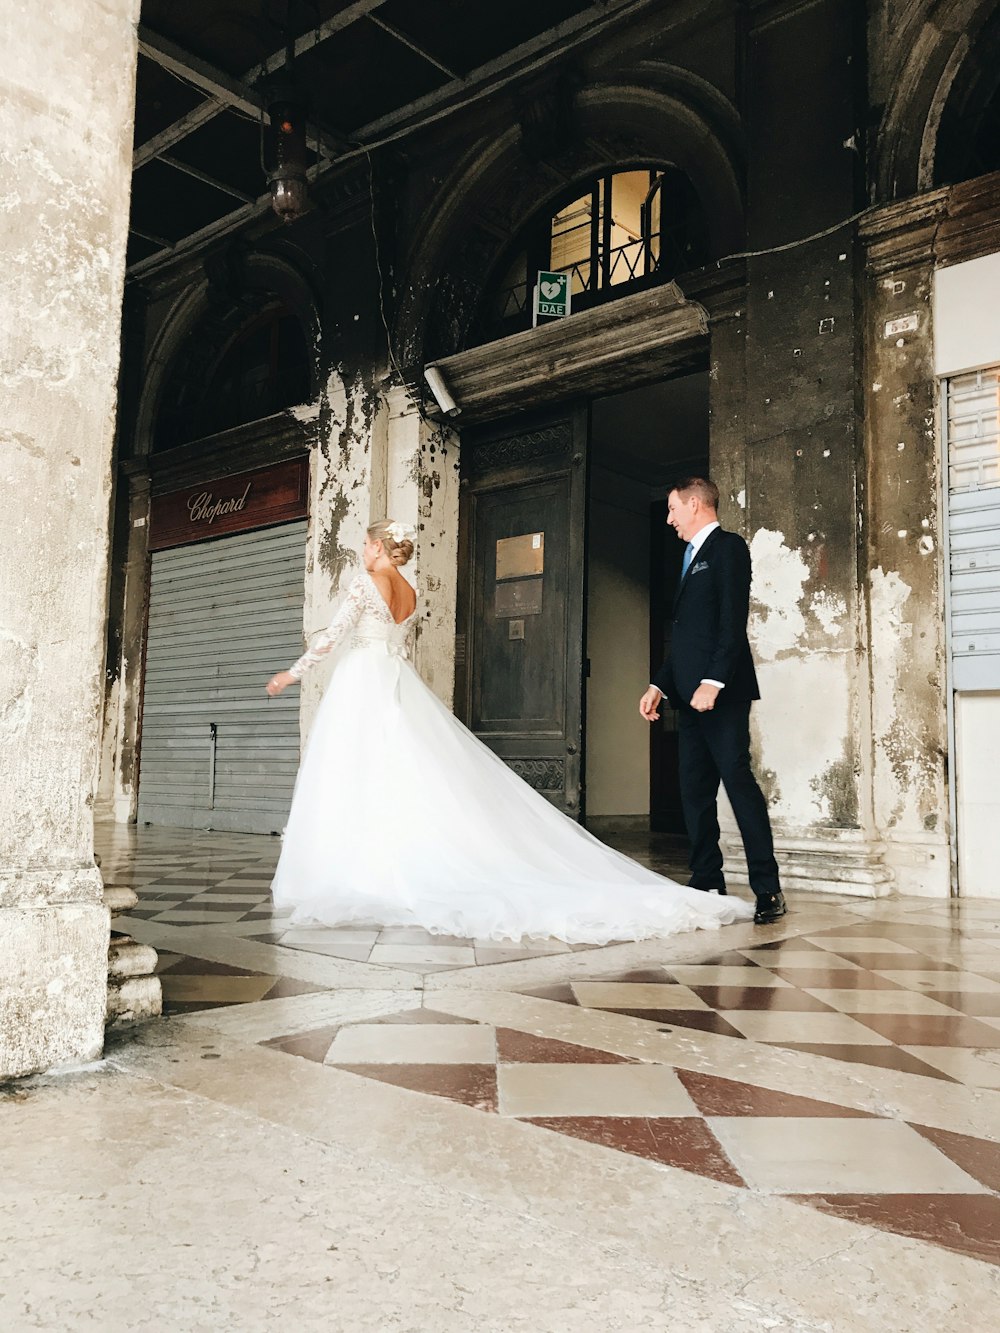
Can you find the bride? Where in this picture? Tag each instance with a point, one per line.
(401, 816)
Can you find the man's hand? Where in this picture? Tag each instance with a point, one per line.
(649, 704)
(704, 697)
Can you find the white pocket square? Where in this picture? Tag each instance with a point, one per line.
(696, 569)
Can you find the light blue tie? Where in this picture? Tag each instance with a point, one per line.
(688, 557)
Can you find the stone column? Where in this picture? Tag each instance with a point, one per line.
(68, 84)
(119, 794)
(903, 595)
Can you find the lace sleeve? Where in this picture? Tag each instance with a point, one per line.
(346, 617)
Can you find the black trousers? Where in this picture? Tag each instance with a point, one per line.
(714, 747)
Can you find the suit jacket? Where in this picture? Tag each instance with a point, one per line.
(709, 638)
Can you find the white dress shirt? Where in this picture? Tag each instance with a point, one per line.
(696, 543)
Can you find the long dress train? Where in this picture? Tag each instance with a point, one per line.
(402, 817)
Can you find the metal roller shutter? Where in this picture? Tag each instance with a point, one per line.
(974, 529)
(223, 616)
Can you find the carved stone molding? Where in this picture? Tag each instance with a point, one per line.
(548, 441)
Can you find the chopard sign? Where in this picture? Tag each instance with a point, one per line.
(205, 508)
(241, 502)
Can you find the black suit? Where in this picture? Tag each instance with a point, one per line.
(709, 642)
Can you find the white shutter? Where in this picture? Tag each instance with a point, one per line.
(224, 615)
(974, 529)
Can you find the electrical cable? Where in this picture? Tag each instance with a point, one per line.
(413, 398)
(802, 240)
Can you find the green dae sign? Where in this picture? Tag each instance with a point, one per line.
(552, 297)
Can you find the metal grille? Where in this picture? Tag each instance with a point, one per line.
(974, 528)
(223, 616)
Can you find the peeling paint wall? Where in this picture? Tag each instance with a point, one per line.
(789, 469)
(422, 481)
(377, 457)
(340, 488)
(903, 593)
(806, 691)
(65, 162)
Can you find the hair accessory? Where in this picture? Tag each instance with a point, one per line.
(401, 532)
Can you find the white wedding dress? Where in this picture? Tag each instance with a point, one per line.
(402, 817)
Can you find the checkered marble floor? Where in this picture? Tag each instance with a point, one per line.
(912, 1179)
(846, 1059)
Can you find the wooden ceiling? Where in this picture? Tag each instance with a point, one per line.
(373, 72)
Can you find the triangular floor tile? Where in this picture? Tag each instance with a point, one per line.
(683, 1142)
(728, 1097)
(979, 1158)
(285, 987)
(312, 1045)
(702, 1020)
(965, 1223)
(562, 992)
(472, 1085)
(525, 1048)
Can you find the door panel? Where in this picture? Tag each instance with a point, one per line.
(521, 618)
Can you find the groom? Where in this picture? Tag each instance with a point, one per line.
(709, 678)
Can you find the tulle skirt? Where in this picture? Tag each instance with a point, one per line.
(401, 816)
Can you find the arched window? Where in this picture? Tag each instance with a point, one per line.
(260, 369)
(626, 230)
(968, 141)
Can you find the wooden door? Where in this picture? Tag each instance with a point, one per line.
(522, 562)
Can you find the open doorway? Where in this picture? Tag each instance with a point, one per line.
(641, 441)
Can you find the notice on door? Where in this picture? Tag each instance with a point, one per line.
(521, 557)
(519, 597)
(520, 571)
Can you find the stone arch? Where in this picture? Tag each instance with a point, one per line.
(205, 318)
(658, 115)
(930, 50)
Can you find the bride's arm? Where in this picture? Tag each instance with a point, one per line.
(345, 619)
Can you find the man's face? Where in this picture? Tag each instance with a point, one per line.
(683, 514)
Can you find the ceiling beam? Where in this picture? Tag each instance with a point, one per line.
(221, 87)
(529, 55)
(330, 27)
(223, 90)
(445, 101)
(203, 176)
(151, 237)
(408, 41)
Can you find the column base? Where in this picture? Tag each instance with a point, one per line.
(845, 862)
(53, 985)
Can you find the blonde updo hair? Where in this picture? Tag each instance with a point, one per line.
(398, 552)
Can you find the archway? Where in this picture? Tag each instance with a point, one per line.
(943, 80)
(665, 118)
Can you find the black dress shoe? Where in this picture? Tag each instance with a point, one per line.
(770, 907)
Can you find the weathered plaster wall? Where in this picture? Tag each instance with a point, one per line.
(785, 442)
(340, 509)
(422, 480)
(377, 457)
(65, 166)
(903, 593)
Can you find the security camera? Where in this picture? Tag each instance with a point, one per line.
(442, 396)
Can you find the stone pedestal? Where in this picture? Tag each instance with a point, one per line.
(65, 167)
